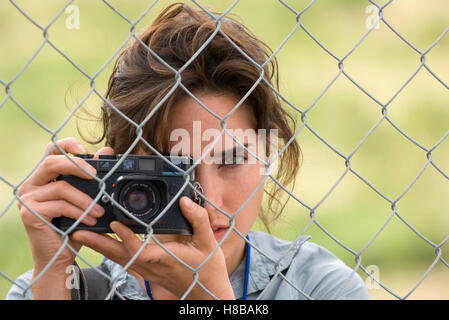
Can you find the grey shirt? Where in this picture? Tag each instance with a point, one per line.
(279, 270)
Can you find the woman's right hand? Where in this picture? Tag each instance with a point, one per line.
(50, 199)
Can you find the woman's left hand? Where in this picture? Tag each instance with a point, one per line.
(155, 265)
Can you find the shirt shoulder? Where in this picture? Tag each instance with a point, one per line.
(324, 276)
(20, 289)
(310, 270)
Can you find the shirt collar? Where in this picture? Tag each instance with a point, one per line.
(268, 256)
(126, 285)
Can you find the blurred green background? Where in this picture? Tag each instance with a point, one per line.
(51, 87)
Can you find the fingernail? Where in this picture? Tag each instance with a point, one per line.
(92, 170)
(99, 210)
(90, 220)
(189, 203)
(81, 149)
(115, 226)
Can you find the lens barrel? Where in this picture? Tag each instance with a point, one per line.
(140, 198)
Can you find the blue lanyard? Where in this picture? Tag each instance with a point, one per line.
(248, 256)
(245, 283)
(147, 287)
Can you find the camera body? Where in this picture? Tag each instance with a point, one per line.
(142, 186)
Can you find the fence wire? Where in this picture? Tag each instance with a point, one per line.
(312, 208)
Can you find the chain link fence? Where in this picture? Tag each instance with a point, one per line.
(376, 16)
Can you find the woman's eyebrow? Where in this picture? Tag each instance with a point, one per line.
(224, 152)
(233, 150)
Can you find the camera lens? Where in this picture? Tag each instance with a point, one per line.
(140, 198)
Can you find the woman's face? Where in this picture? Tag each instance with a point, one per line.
(228, 176)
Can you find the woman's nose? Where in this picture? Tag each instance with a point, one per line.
(212, 189)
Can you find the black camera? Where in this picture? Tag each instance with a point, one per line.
(142, 187)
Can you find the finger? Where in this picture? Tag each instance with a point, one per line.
(104, 151)
(104, 244)
(130, 240)
(58, 208)
(199, 219)
(53, 209)
(56, 165)
(152, 252)
(69, 145)
(62, 190)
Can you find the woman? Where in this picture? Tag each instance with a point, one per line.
(165, 90)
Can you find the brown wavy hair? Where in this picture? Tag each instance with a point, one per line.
(140, 81)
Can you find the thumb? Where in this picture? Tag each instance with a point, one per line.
(199, 219)
(104, 151)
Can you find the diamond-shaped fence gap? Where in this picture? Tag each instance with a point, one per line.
(320, 169)
(392, 250)
(343, 120)
(276, 35)
(396, 238)
(382, 79)
(421, 110)
(381, 157)
(348, 24)
(20, 39)
(36, 96)
(279, 21)
(310, 68)
(20, 156)
(107, 32)
(425, 215)
(417, 22)
(353, 200)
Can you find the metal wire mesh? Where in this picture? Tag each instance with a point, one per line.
(341, 61)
